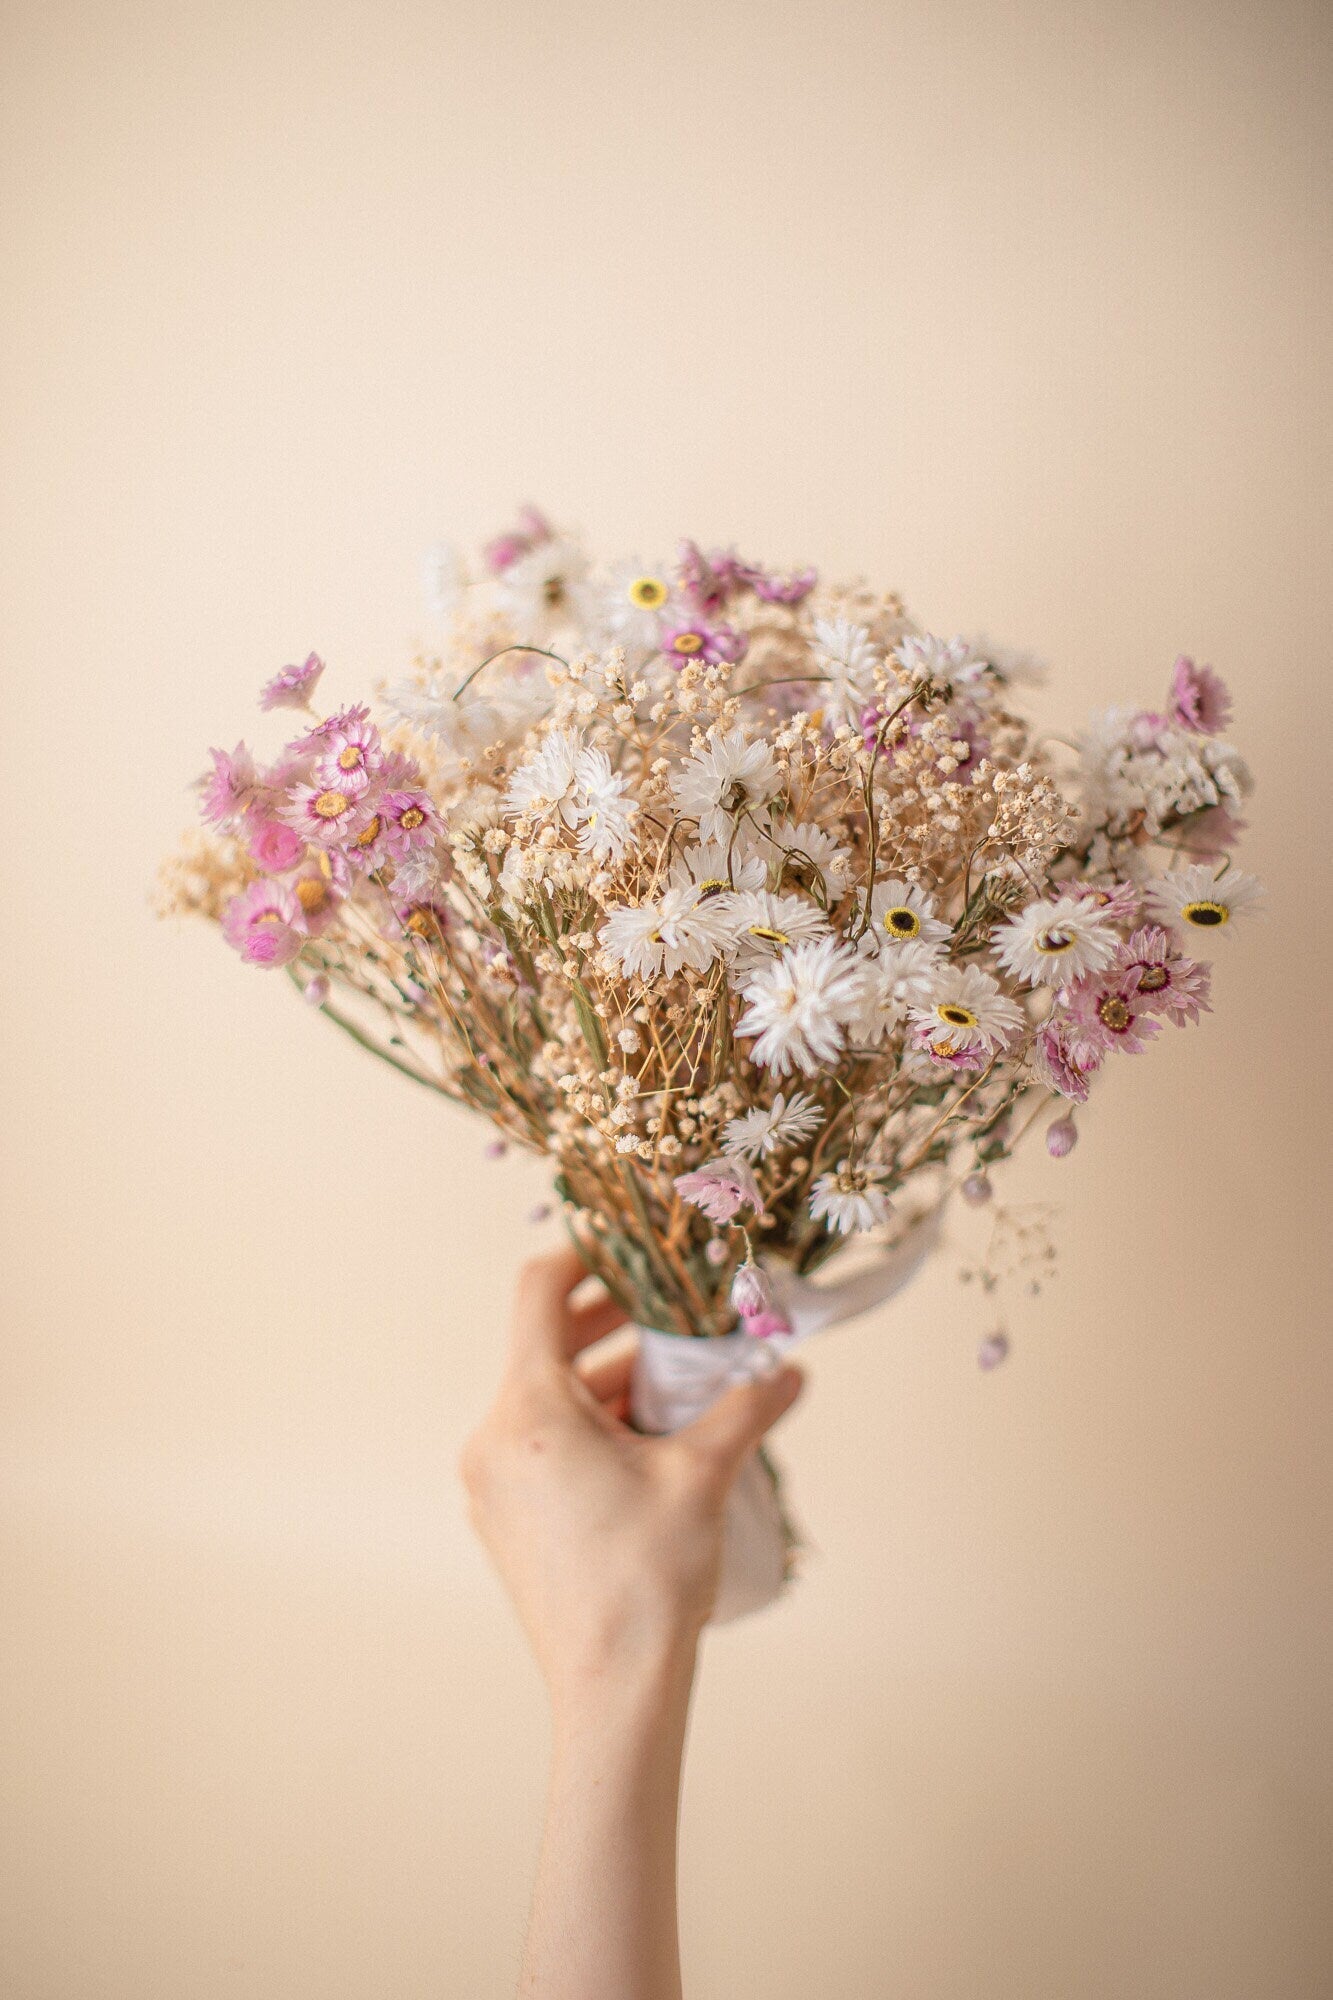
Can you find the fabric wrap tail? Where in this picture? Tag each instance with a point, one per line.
(676, 1378)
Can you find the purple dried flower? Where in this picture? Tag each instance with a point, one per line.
(1061, 1137)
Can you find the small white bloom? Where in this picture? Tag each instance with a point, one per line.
(662, 937)
(813, 848)
(714, 870)
(729, 776)
(901, 914)
(633, 604)
(967, 1010)
(769, 1128)
(545, 592)
(798, 1004)
(924, 657)
(1054, 943)
(850, 1199)
(847, 656)
(547, 784)
(758, 924)
(1197, 899)
(604, 808)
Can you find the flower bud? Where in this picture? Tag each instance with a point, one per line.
(715, 1251)
(992, 1350)
(495, 1149)
(977, 1190)
(316, 990)
(540, 1212)
(1061, 1137)
(751, 1292)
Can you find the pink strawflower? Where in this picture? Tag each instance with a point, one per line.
(264, 924)
(1212, 833)
(720, 1188)
(1200, 700)
(709, 580)
(230, 788)
(696, 640)
(1164, 980)
(1101, 1014)
(274, 846)
(319, 888)
(778, 589)
(293, 687)
(1054, 1063)
(751, 1292)
(350, 756)
(410, 822)
(1061, 1137)
(1118, 901)
(945, 1054)
(505, 550)
(326, 815)
(763, 1325)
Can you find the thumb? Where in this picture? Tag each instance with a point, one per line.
(731, 1428)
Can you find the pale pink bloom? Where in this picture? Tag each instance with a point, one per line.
(751, 1291)
(264, 924)
(778, 589)
(763, 1325)
(693, 639)
(992, 1351)
(231, 787)
(319, 891)
(1101, 1014)
(505, 550)
(947, 1055)
(293, 687)
(410, 822)
(315, 991)
(1053, 1061)
(1165, 981)
(422, 917)
(350, 756)
(274, 846)
(1199, 698)
(1118, 902)
(708, 581)
(720, 1188)
(1211, 833)
(1061, 1137)
(977, 1189)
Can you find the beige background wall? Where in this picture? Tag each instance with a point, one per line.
(1023, 308)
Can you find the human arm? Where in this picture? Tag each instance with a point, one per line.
(610, 1545)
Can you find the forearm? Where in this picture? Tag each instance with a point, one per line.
(604, 1909)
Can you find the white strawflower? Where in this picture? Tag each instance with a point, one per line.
(901, 914)
(605, 810)
(545, 592)
(798, 1004)
(967, 1010)
(730, 775)
(715, 869)
(769, 1128)
(1197, 899)
(847, 656)
(879, 1008)
(850, 1199)
(759, 923)
(1054, 943)
(814, 849)
(497, 707)
(633, 603)
(925, 657)
(662, 937)
(547, 784)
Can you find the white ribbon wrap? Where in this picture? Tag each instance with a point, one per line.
(677, 1377)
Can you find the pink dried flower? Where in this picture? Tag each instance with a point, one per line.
(274, 846)
(1061, 1137)
(231, 788)
(505, 550)
(264, 924)
(716, 1251)
(315, 991)
(326, 815)
(1163, 979)
(751, 1292)
(1200, 700)
(1053, 1061)
(763, 1325)
(410, 822)
(693, 639)
(1100, 1014)
(720, 1188)
(992, 1351)
(495, 1149)
(293, 687)
(319, 890)
(350, 752)
(1118, 902)
(778, 589)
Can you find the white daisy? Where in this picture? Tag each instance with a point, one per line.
(662, 937)
(798, 1004)
(769, 1128)
(759, 923)
(714, 870)
(879, 1008)
(846, 655)
(813, 850)
(605, 812)
(901, 914)
(545, 592)
(924, 657)
(547, 784)
(967, 1010)
(1197, 899)
(1054, 943)
(633, 603)
(850, 1199)
(729, 776)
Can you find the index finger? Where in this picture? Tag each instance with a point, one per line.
(545, 1327)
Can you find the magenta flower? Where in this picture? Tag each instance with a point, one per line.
(1163, 979)
(708, 581)
(1100, 1014)
(274, 846)
(326, 815)
(410, 822)
(350, 754)
(762, 1325)
(779, 589)
(696, 640)
(1200, 700)
(230, 788)
(720, 1188)
(293, 687)
(505, 550)
(264, 924)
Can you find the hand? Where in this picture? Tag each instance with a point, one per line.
(609, 1542)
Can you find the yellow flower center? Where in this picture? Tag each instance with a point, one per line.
(412, 819)
(957, 1015)
(1206, 914)
(944, 1048)
(901, 922)
(330, 805)
(351, 758)
(1053, 942)
(714, 886)
(1114, 1014)
(687, 642)
(648, 593)
(1153, 978)
(268, 917)
(371, 834)
(311, 894)
(769, 936)
(421, 921)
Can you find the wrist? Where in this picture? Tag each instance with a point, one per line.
(630, 1681)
